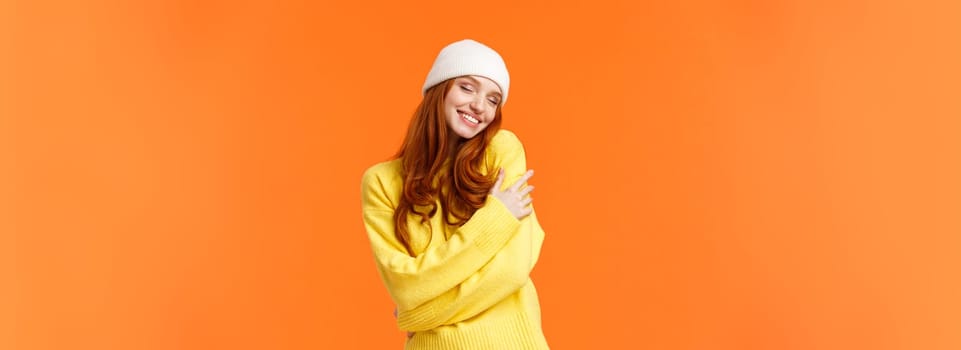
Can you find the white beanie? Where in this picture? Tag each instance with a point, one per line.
(468, 57)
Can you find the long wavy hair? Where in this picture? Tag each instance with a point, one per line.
(461, 187)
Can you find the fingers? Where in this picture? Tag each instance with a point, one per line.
(516, 197)
(517, 185)
(525, 212)
(525, 191)
(526, 202)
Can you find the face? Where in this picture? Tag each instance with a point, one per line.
(470, 105)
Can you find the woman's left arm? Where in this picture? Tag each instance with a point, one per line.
(506, 273)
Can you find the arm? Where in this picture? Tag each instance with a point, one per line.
(506, 273)
(411, 281)
(508, 153)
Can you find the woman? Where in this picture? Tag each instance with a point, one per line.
(449, 219)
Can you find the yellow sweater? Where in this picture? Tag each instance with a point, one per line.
(473, 289)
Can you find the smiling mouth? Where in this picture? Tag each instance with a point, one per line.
(468, 118)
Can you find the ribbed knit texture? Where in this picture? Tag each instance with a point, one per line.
(471, 290)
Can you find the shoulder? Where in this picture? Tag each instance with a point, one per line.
(506, 151)
(505, 140)
(385, 169)
(381, 183)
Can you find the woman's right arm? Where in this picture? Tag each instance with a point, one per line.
(506, 273)
(411, 281)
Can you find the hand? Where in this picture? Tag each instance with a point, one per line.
(514, 197)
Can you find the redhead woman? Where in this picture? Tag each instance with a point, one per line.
(450, 222)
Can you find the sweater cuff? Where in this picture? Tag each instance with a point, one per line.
(493, 225)
(426, 316)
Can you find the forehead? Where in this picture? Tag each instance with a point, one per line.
(482, 81)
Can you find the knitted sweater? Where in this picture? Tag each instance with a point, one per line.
(467, 287)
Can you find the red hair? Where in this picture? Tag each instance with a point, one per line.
(461, 187)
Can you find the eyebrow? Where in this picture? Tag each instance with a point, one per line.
(477, 82)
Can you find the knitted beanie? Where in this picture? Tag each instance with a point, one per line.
(468, 57)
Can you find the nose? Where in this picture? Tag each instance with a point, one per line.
(478, 105)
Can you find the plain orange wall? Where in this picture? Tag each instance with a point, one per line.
(711, 174)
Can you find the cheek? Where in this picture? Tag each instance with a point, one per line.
(450, 106)
(453, 102)
(458, 98)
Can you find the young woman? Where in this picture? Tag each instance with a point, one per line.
(450, 220)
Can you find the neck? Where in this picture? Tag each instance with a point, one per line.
(452, 145)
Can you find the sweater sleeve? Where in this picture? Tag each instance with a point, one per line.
(412, 281)
(506, 273)
(508, 153)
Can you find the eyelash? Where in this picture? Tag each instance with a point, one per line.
(465, 88)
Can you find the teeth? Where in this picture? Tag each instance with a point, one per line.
(472, 120)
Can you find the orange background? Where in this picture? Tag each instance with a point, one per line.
(711, 174)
